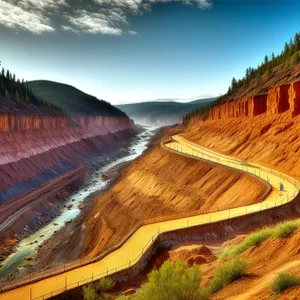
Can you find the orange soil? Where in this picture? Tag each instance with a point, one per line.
(161, 184)
(272, 141)
(265, 261)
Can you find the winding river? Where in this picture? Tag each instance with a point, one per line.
(29, 246)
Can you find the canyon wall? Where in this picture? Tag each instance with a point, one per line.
(279, 99)
(37, 149)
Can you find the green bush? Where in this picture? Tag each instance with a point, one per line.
(226, 273)
(253, 239)
(178, 282)
(284, 281)
(96, 290)
(171, 282)
(283, 230)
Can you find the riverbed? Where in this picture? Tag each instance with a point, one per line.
(28, 247)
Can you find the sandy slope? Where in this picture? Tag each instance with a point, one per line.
(161, 183)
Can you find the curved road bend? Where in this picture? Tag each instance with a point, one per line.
(126, 254)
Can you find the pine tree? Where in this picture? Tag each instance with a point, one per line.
(286, 50)
(273, 56)
(296, 58)
(292, 48)
(266, 60)
(297, 42)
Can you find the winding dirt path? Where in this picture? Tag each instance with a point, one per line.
(131, 251)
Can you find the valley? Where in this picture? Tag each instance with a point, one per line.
(149, 150)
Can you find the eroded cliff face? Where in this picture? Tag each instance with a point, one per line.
(279, 99)
(159, 184)
(294, 98)
(35, 150)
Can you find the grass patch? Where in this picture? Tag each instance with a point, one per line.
(282, 230)
(227, 273)
(253, 239)
(284, 281)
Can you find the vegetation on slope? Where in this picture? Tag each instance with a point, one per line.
(275, 69)
(178, 282)
(284, 281)
(15, 90)
(72, 100)
(254, 239)
(97, 290)
(203, 112)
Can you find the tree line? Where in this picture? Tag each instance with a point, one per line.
(16, 90)
(290, 50)
(202, 111)
(289, 56)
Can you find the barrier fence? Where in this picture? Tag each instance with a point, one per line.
(236, 210)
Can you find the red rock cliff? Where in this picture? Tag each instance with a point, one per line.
(294, 98)
(30, 145)
(278, 100)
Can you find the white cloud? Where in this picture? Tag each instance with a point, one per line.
(132, 32)
(40, 4)
(13, 16)
(107, 22)
(69, 28)
(110, 17)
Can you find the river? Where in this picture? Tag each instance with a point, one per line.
(29, 246)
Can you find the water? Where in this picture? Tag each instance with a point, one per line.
(29, 246)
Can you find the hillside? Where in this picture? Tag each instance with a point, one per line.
(71, 100)
(162, 113)
(274, 70)
(16, 97)
(45, 154)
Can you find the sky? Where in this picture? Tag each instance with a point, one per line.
(128, 51)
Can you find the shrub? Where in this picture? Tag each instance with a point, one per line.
(253, 239)
(96, 290)
(283, 230)
(226, 273)
(171, 282)
(284, 281)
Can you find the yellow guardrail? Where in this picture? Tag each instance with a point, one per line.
(143, 236)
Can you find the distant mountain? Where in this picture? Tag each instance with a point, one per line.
(71, 100)
(162, 113)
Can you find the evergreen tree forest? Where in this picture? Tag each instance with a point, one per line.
(289, 56)
(16, 90)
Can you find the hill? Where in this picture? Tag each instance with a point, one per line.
(162, 113)
(71, 100)
(274, 70)
(16, 97)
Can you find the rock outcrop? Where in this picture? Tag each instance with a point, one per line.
(279, 99)
(294, 98)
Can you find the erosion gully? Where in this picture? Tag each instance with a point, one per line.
(28, 247)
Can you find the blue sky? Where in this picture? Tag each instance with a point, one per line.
(133, 50)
